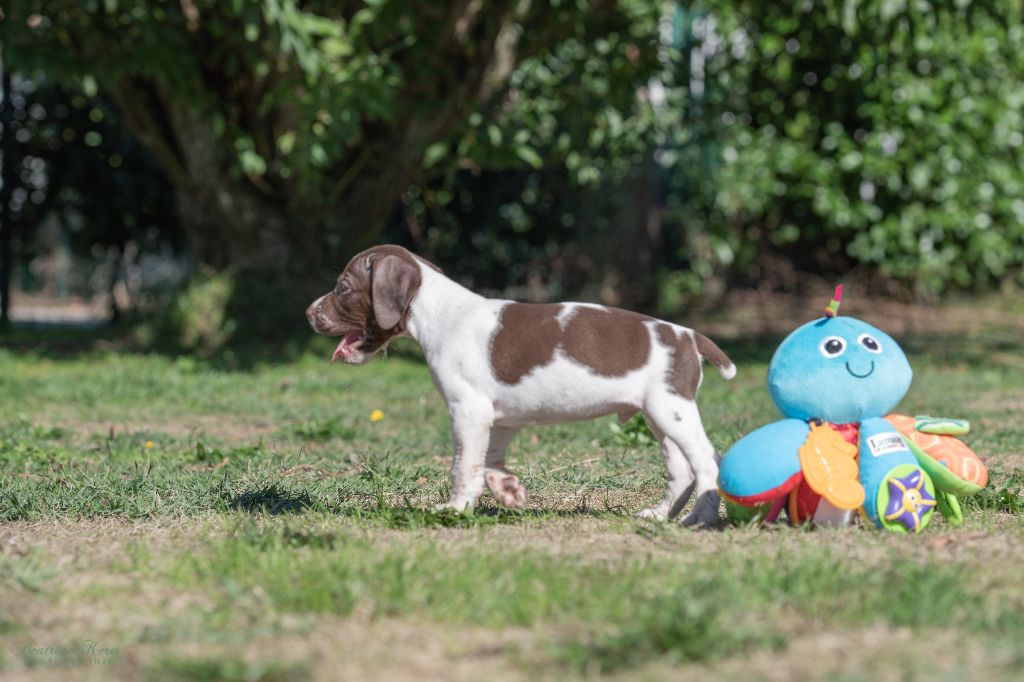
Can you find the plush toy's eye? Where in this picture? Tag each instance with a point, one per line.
(833, 347)
(869, 342)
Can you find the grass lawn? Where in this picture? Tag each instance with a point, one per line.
(244, 518)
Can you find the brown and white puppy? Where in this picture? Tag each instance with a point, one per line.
(502, 365)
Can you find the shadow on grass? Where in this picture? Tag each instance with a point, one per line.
(982, 349)
(255, 351)
(276, 500)
(272, 499)
(287, 342)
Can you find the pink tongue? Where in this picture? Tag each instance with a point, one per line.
(345, 345)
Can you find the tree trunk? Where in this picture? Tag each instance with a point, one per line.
(6, 264)
(271, 223)
(231, 221)
(227, 219)
(228, 223)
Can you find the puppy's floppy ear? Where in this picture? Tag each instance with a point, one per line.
(395, 282)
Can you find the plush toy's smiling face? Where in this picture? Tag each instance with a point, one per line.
(839, 369)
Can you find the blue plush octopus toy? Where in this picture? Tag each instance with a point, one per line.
(835, 379)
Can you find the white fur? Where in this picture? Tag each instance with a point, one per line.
(455, 327)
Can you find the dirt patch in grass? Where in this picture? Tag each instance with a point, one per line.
(380, 649)
(227, 428)
(85, 577)
(322, 648)
(97, 591)
(394, 649)
(880, 653)
(587, 499)
(96, 541)
(87, 592)
(1005, 461)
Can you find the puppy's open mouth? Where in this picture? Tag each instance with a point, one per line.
(349, 345)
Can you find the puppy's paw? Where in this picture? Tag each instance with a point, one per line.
(506, 488)
(704, 512)
(696, 519)
(452, 506)
(659, 513)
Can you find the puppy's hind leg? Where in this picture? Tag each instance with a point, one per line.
(503, 484)
(679, 419)
(680, 478)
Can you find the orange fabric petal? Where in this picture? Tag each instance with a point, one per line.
(947, 450)
(829, 464)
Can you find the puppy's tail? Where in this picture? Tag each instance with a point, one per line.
(713, 354)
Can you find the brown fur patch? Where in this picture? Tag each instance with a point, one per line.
(711, 352)
(666, 335)
(684, 374)
(609, 341)
(527, 336)
(349, 306)
(392, 250)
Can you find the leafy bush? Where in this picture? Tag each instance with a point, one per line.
(838, 134)
(796, 137)
(633, 434)
(200, 312)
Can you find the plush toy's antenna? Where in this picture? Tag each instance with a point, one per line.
(833, 307)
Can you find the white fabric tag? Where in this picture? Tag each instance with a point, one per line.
(885, 443)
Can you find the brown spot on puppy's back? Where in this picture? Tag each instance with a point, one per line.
(684, 372)
(666, 335)
(526, 338)
(610, 341)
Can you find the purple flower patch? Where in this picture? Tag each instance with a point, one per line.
(908, 500)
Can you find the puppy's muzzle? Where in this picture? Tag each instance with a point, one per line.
(316, 318)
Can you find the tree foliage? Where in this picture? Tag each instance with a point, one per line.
(737, 138)
(288, 125)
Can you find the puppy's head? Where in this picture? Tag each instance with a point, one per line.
(369, 303)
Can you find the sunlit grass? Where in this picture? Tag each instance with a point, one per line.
(300, 494)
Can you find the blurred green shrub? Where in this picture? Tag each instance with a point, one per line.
(635, 433)
(834, 137)
(231, 307)
(880, 134)
(199, 316)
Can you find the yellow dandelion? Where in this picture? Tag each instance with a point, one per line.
(149, 445)
(376, 416)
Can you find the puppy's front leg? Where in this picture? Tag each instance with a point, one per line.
(471, 427)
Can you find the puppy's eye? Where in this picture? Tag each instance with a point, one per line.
(869, 342)
(342, 289)
(833, 347)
